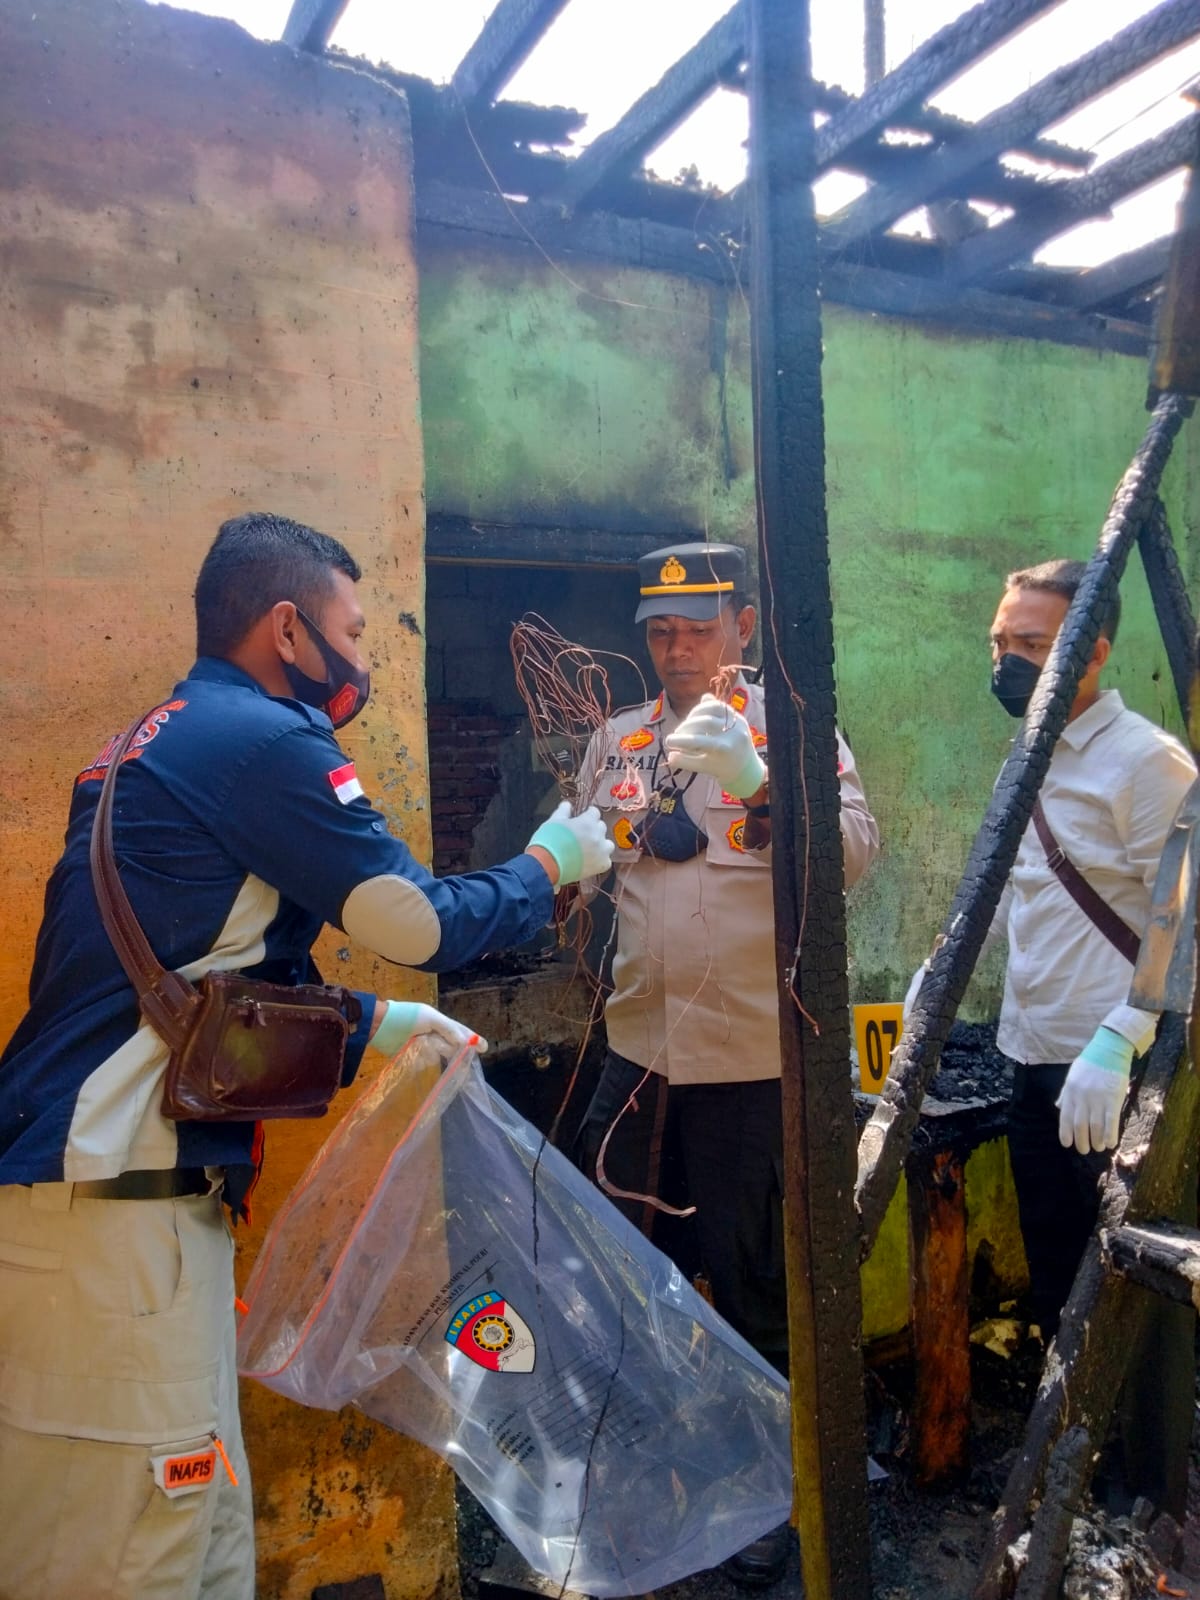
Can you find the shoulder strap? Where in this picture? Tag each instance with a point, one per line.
(167, 1001)
(1094, 906)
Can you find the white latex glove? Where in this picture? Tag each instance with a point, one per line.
(1094, 1093)
(715, 739)
(918, 978)
(403, 1019)
(580, 846)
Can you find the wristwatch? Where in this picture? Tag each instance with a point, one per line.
(763, 810)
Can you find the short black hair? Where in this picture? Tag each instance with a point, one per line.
(1064, 577)
(255, 562)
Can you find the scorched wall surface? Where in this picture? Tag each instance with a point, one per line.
(208, 306)
(573, 394)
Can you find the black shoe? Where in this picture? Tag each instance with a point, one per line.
(762, 1563)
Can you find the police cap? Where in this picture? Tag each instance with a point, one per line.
(690, 580)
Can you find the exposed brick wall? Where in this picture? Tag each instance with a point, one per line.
(464, 773)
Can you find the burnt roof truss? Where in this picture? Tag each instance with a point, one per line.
(513, 170)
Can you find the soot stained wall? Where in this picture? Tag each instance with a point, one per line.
(590, 396)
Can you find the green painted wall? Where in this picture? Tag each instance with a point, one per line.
(991, 1224)
(574, 394)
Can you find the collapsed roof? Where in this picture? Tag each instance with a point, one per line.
(991, 192)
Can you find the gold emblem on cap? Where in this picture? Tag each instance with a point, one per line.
(673, 571)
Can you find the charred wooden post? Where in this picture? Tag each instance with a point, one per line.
(1051, 1537)
(940, 1313)
(1169, 25)
(1106, 1316)
(1165, 1258)
(874, 42)
(824, 1297)
(310, 24)
(1173, 609)
(1176, 362)
(886, 1137)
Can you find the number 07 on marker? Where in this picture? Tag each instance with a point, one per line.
(877, 1031)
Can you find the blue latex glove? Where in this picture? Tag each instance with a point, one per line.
(580, 845)
(1094, 1093)
(403, 1019)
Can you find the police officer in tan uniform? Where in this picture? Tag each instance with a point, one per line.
(687, 1110)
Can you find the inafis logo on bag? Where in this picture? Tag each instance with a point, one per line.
(489, 1331)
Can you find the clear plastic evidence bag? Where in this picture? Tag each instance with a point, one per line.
(455, 1277)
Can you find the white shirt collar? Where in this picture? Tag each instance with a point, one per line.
(1105, 709)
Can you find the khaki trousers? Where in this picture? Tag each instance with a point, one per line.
(117, 1367)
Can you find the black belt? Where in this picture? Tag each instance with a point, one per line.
(159, 1183)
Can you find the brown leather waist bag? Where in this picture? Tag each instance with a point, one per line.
(242, 1049)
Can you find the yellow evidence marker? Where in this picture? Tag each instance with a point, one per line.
(877, 1031)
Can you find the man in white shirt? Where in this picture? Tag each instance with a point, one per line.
(1114, 784)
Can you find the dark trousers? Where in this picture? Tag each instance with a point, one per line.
(1058, 1191)
(1058, 1197)
(718, 1147)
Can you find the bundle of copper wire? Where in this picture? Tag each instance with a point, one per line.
(566, 693)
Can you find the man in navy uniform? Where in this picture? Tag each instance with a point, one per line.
(687, 1109)
(240, 829)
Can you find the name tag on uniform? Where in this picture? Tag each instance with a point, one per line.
(184, 1474)
(877, 1032)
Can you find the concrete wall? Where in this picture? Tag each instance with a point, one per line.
(208, 305)
(598, 397)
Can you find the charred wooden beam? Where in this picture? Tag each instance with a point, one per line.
(511, 31)
(924, 119)
(1164, 976)
(897, 295)
(310, 24)
(445, 211)
(1169, 25)
(1065, 205)
(1176, 358)
(651, 118)
(1172, 607)
(1116, 279)
(465, 164)
(1164, 1258)
(1106, 1316)
(452, 540)
(885, 1140)
(929, 66)
(437, 114)
(896, 163)
(824, 1295)
(939, 1313)
(1050, 1538)
(942, 125)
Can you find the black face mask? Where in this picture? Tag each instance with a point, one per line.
(1013, 680)
(666, 832)
(344, 692)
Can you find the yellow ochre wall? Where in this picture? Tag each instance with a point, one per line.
(208, 306)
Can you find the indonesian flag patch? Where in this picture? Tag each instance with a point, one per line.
(345, 783)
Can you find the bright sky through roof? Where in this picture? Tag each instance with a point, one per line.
(600, 55)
